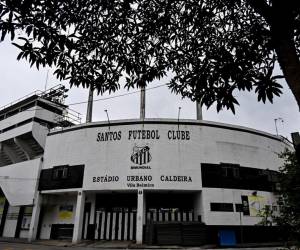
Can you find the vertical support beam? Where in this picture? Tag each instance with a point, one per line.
(197, 206)
(78, 220)
(199, 111)
(3, 217)
(144, 210)
(32, 235)
(19, 221)
(93, 208)
(140, 217)
(89, 112)
(143, 104)
(204, 205)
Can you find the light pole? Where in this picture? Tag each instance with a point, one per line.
(107, 118)
(276, 120)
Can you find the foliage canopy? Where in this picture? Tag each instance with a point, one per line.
(211, 48)
(289, 217)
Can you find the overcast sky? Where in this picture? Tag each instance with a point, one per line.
(18, 79)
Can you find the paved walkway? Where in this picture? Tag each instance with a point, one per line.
(62, 244)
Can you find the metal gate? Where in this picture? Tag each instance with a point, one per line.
(161, 215)
(117, 224)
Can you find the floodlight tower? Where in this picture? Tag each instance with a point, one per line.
(89, 112)
(199, 111)
(143, 103)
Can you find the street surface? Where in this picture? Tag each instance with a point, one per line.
(24, 246)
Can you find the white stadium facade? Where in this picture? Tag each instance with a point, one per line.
(154, 181)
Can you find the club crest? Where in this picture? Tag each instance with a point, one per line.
(141, 155)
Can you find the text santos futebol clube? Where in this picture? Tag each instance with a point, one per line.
(143, 135)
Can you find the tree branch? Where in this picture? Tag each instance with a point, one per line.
(262, 8)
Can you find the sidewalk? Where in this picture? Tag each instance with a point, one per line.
(131, 245)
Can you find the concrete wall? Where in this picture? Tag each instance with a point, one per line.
(51, 216)
(168, 157)
(17, 118)
(175, 163)
(18, 181)
(218, 195)
(36, 111)
(26, 128)
(11, 221)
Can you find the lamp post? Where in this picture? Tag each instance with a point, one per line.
(276, 120)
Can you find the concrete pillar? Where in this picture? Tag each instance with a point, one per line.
(35, 217)
(93, 208)
(78, 220)
(198, 206)
(140, 216)
(204, 205)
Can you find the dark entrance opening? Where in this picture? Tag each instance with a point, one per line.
(116, 216)
(162, 207)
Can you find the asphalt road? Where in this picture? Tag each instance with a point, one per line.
(24, 246)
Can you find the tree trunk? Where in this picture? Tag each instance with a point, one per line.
(290, 65)
(282, 29)
(279, 15)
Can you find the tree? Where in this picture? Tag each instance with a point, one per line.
(267, 215)
(211, 48)
(289, 179)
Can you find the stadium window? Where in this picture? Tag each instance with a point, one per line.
(60, 172)
(239, 207)
(230, 170)
(221, 207)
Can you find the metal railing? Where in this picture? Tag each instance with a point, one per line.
(55, 96)
(37, 92)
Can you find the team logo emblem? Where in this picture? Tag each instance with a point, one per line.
(141, 155)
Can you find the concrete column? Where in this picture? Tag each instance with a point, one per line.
(204, 205)
(144, 210)
(93, 208)
(198, 206)
(78, 220)
(140, 216)
(35, 217)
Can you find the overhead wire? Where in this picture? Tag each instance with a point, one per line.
(116, 96)
(104, 98)
(78, 103)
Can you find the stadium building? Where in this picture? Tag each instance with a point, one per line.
(157, 181)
